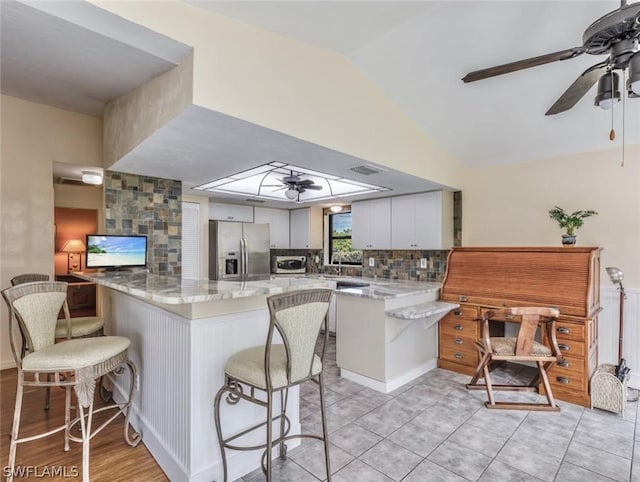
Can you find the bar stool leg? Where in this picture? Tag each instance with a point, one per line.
(67, 416)
(269, 432)
(15, 428)
(216, 413)
(325, 430)
(284, 398)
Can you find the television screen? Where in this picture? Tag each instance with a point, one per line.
(116, 251)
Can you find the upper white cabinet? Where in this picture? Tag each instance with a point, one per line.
(306, 228)
(278, 220)
(371, 224)
(422, 221)
(230, 212)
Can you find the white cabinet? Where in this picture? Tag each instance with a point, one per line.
(306, 228)
(278, 221)
(371, 224)
(422, 221)
(230, 212)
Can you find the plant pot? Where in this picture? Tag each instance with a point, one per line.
(568, 239)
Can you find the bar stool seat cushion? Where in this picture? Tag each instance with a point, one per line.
(248, 366)
(507, 346)
(75, 354)
(81, 326)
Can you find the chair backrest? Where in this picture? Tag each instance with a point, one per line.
(28, 278)
(298, 317)
(529, 318)
(34, 307)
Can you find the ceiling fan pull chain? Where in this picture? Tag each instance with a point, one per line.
(624, 82)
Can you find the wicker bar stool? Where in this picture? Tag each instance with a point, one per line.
(298, 317)
(76, 364)
(78, 327)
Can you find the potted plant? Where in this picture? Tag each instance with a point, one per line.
(569, 222)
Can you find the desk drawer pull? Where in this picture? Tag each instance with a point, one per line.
(563, 330)
(458, 327)
(564, 347)
(459, 356)
(458, 313)
(563, 363)
(462, 298)
(458, 341)
(564, 380)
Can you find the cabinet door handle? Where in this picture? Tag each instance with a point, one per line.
(459, 356)
(563, 363)
(564, 380)
(563, 330)
(564, 347)
(458, 327)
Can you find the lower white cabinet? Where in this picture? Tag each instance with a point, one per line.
(278, 221)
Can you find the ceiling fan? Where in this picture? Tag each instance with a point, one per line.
(616, 33)
(295, 186)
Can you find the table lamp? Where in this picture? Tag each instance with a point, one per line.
(74, 248)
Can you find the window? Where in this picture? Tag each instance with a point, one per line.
(340, 246)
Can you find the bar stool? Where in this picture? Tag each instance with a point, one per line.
(66, 328)
(76, 364)
(298, 317)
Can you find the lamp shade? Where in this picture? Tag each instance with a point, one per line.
(615, 274)
(73, 246)
(291, 193)
(633, 84)
(608, 93)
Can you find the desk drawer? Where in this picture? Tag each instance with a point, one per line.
(458, 327)
(568, 373)
(566, 330)
(572, 348)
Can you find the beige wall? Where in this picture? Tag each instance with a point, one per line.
(508, 205)
(304, 91)
(33, 136)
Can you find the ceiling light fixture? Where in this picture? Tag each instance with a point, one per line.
(291, 193)
(633, 84)
(608, 93)
(335, 209)
(91, 177)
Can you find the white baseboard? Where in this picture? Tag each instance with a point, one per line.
(391, 385)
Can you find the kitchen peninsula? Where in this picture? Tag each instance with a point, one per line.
(183, 331)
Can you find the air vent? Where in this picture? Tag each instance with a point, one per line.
(255, 201)
(367, 169)
(70, 181)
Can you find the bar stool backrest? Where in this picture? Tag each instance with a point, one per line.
(35, 307)
(28, 278)
(298, 317)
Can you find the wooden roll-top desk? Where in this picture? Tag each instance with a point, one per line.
(568, 278)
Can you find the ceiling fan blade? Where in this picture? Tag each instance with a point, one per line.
(305, 182)
(578, 89)
(523, 64)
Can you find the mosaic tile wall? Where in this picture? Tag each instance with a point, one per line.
(389, 264)
(151, 206)
(457, 218)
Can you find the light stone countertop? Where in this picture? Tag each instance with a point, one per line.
(175, 290)
(422, 310)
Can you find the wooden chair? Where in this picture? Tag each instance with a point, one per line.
(73, 364)
(66, 328)
(520, 348)
(298, 317)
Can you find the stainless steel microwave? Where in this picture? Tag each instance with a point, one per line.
(289, 264)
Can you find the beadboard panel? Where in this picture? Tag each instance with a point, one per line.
(180, 366)
(608, 329)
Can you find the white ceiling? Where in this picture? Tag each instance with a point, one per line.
(76, 56)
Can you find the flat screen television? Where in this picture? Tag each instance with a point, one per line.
(115, 251)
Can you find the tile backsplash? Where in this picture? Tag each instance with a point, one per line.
(388, 264)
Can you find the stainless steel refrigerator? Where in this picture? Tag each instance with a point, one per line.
(238, 251)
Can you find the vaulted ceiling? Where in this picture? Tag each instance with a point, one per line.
(78, 58)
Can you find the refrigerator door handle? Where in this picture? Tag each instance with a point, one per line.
(245, 258)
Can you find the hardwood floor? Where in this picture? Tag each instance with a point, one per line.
(111, 458)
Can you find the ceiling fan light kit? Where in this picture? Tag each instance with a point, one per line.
(617, 34)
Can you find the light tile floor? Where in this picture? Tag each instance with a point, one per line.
(433, 430)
